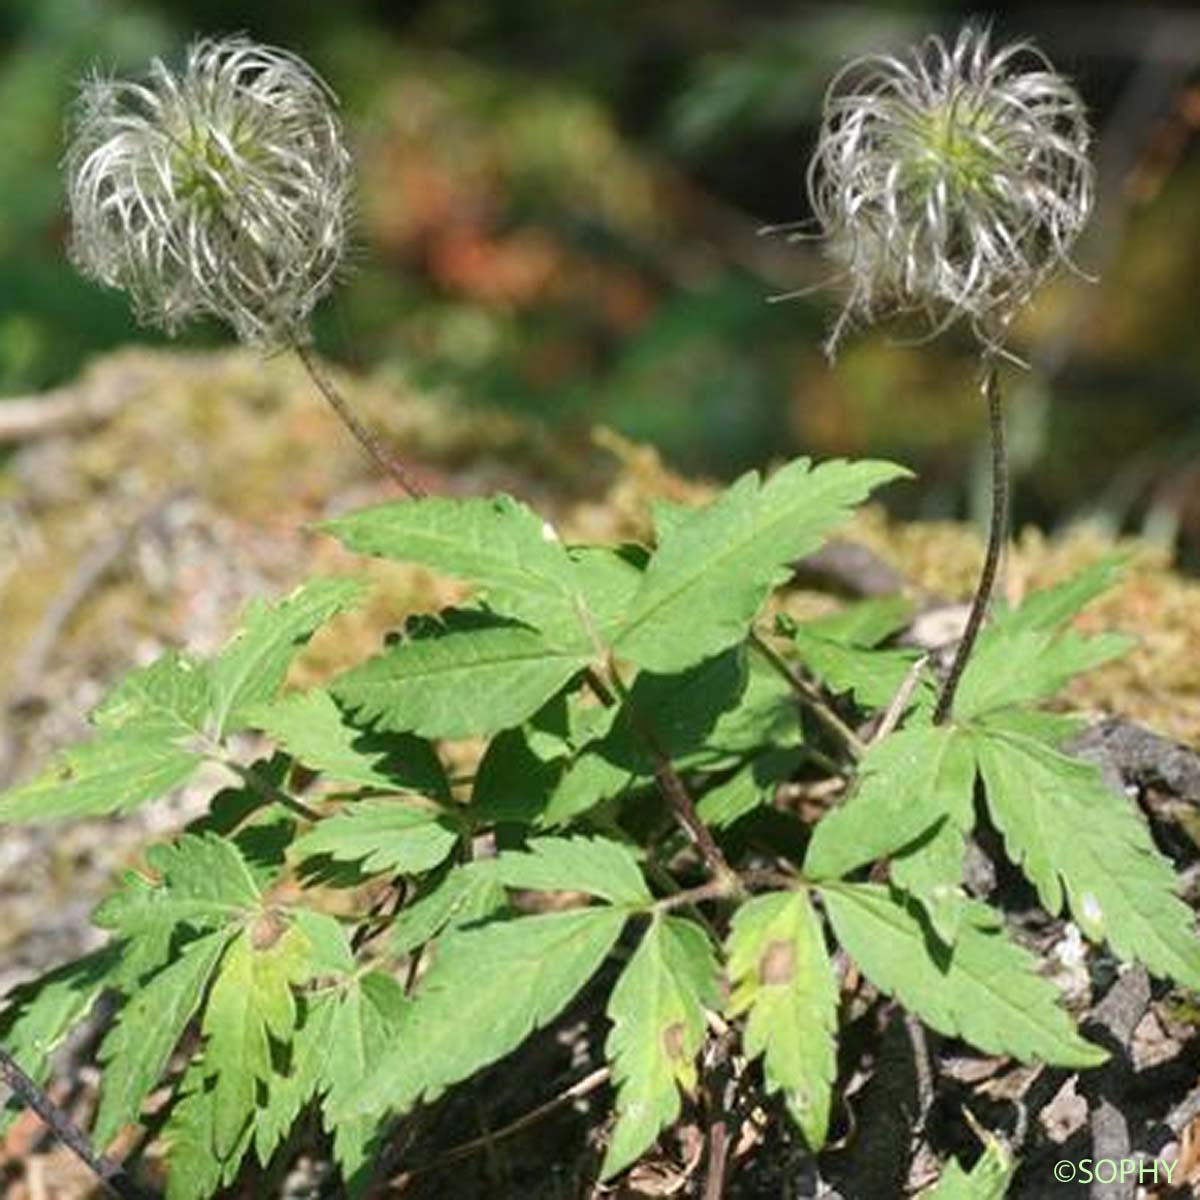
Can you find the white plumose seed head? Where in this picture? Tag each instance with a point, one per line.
(222, 189)
(950, 182)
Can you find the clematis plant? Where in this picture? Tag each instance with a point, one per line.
(951, 181)
(612, 785)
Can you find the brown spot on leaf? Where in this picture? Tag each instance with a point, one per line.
(673, 1039)
(267, 929)
(778, 963)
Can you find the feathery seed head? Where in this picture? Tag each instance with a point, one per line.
(950, 182)
(222, 189)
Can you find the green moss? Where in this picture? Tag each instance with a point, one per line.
(247, 447)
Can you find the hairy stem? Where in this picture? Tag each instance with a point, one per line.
(997, 530)
(669, 782)
(809, 694)
(376, 450)
(715, 889)
(256, 781)
(720, 889)
(680, 800)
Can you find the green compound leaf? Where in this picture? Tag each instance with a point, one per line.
(1025, 655)
(251, 668)
(465, 895)
(840, 650)
(752, 787)
(1011, 667)
(1070, 832)
(764, 714)
(984, 989)
(203, 883)
(250, 1006)
(931, 870)
(196, 1171)
(342, 1033)
(608, 579)
(250, 1002)
(136, 1051)
(864, 624)
(678, 711)
(303, 1067)
(907, 783)
(516, 778)
(148, 741)
(712, 571)
(39, 1015)
(366, 1022)
(113, 773)
(396, 835)
(1051, 608)
(474, 675)
(872, 677)
(313, 730)
(657, 1011)
(488, 989)
(512, 553)
(295, 1084)
(593, 865)
(172, 696)
(781, 976)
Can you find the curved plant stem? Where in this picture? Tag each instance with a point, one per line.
(376, 450)
(996, 534)
(721, 889)
(589, 1083)
(809, 694)
(675, 790)
(670, 784)
(257, 782)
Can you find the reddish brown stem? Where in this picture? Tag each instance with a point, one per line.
(376, 450)
(991, 563)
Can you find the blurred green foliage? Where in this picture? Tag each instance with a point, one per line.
(560, 206)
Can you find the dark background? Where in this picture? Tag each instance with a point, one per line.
(560, 204)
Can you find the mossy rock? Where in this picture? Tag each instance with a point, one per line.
(224, 462)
